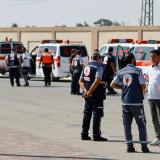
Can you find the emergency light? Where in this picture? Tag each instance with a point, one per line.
(121, 41)
(153, 42)
(141, 42)
(52, 41)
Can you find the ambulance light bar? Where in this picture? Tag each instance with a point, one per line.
(51, 41)
(141, 41)
(147, 42)
(121, 41)
(153, 42)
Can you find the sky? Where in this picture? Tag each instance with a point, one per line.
(49, 13)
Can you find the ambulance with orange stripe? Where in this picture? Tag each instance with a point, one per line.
(119, 45)
(61, 53)
(141, 51)
(5, 49)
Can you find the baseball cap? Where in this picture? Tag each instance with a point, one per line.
(96, 54)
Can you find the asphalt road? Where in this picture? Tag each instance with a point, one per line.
(42, 123)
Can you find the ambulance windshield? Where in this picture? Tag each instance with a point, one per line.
(142, 53)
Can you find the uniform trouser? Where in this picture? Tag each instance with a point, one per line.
(47, 74)
(14, 73)
(97, 110)
(137, 112)
(75, 82)
(72, 89)
(25, 74)
(155, 114)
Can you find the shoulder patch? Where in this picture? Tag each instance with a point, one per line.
(87, 71)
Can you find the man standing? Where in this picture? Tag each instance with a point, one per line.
(76, 67)
(132, 83)
(73, 55)
(109, 70)
(93, 93)
(26, 59)
(13, 64)
(154, 94)
(47, 61)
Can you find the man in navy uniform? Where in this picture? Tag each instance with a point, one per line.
(13, 63)
(132, 83)
(93, 93)
(109, 70)
(76, 67)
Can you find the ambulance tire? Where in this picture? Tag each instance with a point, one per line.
(54, 78)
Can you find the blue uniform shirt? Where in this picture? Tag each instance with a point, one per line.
(130, 78)
(91, 72)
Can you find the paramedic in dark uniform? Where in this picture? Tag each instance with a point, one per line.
(132, 83)
(92, 86)
(109, 70)
(73, 55)
(13, 63)
(47, 61)
(76, 67)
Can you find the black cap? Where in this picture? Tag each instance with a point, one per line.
(96, 54)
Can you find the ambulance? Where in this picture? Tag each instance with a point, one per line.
(61, 53)
(125, 44)
(141, 51)
(120, 47)
(5, 49)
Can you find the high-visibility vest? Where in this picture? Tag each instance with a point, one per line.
(47, 58)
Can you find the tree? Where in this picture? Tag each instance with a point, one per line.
(14, 25)
(84, 24)
(79, 25)
(103, 22)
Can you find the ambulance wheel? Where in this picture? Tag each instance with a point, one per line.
(54, 78)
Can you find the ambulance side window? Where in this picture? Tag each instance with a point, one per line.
(34, 51)
(5, 48)
(103, 50)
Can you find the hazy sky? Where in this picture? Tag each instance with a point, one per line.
(71, 12)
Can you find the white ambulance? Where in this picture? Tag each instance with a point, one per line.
(141, 51)
(5, 49)
(125, 44)
(61, 53)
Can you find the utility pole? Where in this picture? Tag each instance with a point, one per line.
(147, 13)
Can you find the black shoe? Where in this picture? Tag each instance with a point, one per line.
(18, 85)
(78, 93)
(26, 85)
(87, 138)
(145, 149)
(114, 93)
(99, 139)
(131, 149)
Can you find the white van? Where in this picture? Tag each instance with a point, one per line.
(5, 49)
(142, 51)
(61, 54)
(125, 44)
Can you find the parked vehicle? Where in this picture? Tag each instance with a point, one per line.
(61, 53)
(5, 49)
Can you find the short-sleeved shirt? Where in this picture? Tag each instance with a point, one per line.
(130, 78)
(154, 82)
(26, 59)
(99, 70)
(93, 71)
(107, 61)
